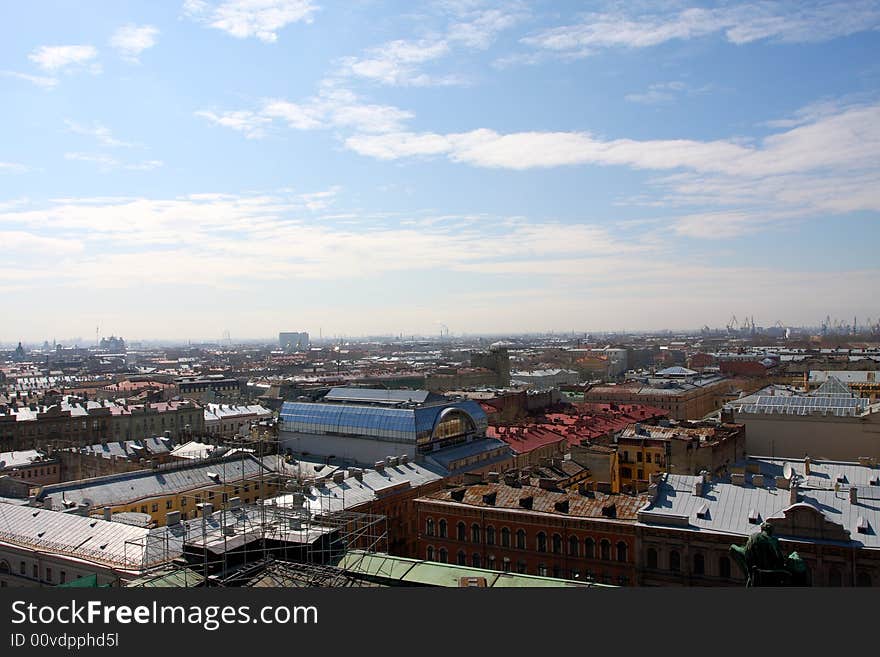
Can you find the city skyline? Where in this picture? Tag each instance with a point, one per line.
(191, 168)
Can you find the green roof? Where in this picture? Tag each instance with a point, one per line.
(85, 582)
(414, 572)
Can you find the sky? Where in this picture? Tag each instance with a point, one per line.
(184, 169)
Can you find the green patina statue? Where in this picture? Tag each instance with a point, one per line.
(764, 564)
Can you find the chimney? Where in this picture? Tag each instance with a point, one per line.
(547, 483)
(108, 513)
(782, 482)
(698, 488)
(853, 495)
(707, 476)
(338, 477)
(807, 465)
(737, 478)
(492, 477)
(404, 459)
(379, 466)
(758, 480)
(172, 518)
(585, 488)
(207, 509)
(793, 494)
(656, 477)
(357, 473)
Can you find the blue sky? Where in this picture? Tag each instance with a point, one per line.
(180, 169)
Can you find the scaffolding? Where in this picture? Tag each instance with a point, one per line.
(293, 530)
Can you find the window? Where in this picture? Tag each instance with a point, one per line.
(155, 507)
(490, 535)
(63, 577)
(639, 457)
(863, 579)
(724, 567)
(623, 580)
(621, 551)
(490, 562)
(589, 548)
(557, 544)
(521, 567)
(429, 527)
(542, 570)
(4, 567)
(442, 527)
(442, 552)
(168, 504)
(572, 546)
(475, 560)
(626, 473)
(475, 533)
(21, 568)
(505, 537)
(210, 495)
(462, 558)
(144, 508)
(640, 474)
(520, 539)
(674, 561)
(699, 564)
(542, 542)
(49, 575)
(429, 553)
(460, 531)
(605, 550)
(36, 572)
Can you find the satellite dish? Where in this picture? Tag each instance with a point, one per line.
(787, 471)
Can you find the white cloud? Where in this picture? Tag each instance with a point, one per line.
(98, 131)
(131, 40)
(252, 125)
(108, 163)
(39, 80)
(398, 63)
(332, 108)
(657, 93)
(243, 19)
(784, 22)
(13, 167)
(59, 58)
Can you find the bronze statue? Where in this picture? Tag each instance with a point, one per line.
(764, 564)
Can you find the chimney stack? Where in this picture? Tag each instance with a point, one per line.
(853, 495)
(698, 488)
(807, 465)
(108, 513)
(793, 494)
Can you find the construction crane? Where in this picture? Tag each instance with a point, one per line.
(732, 325)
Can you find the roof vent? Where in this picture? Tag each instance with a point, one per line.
(862, 526)
(379, 466)
(404, 459)
(703, 511)
(853, 495)
(754, 516)
(457, 494)
(698, 488)
(489, 498)
(526, 502)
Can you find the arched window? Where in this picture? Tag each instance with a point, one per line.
(443, 553)
(724, 567)
(475, 533)
(461, 532)
(442, 527)
(699, 564)
(429, 527)
(520, 539)
(621, 551)
(429, 553)
(542, 542)
(589, 548)
(490, 535)
(651, 558)
(557, 544)
(572, 546)
(4, 567)
(505, 537)
(863, 579)
(462, 558)
(475, 560)
(674, 561)
(605, 549)
(490, 562)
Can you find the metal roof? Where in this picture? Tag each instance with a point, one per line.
(379, 396)
(130, 487)
(94, 540)
(729, 504)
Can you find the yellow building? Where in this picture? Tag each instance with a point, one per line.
(178, 486)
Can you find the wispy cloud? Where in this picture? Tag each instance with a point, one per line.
(98, 131)
(131, 40)
(778, 21)
(251, 124)
(64, 58)
(107, 163)
(13, 167)
(261, 19)
(42, 81)
(658, 93)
